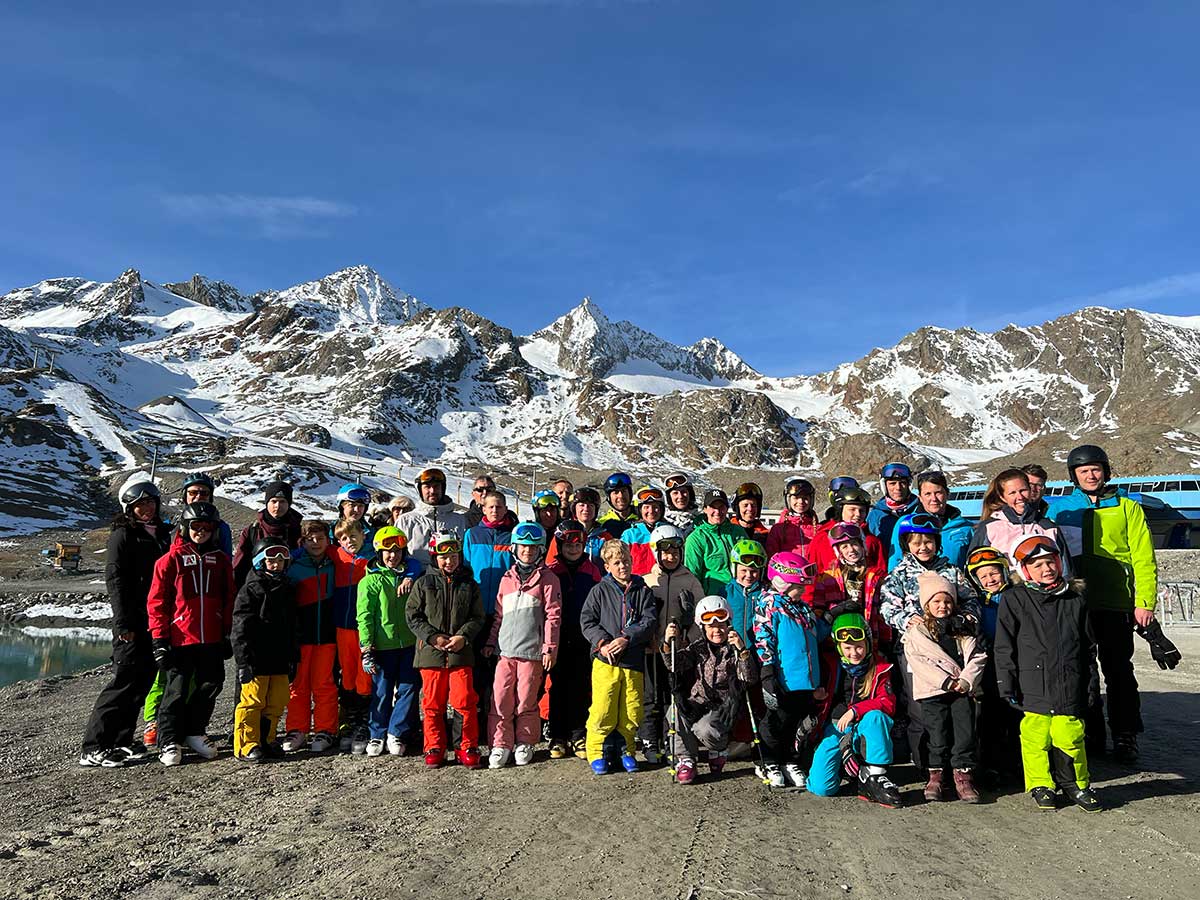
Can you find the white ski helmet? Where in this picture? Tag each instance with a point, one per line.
(711, 608)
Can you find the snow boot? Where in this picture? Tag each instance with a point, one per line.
(934, 787)
(964, 784)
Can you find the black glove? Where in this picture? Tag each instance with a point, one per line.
(770, 689)
(226, 649)
(687, 604)
(838, 609)
(1165, 653)
(245, 674)
(958, 624)
(162, 652)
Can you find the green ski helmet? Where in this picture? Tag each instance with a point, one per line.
(748, 553)
(850, 625)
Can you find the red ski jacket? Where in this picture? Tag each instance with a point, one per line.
(191, 596)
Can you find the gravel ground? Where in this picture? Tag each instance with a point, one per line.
(340, 826)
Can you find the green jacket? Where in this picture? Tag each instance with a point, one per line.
(1111, 549)
(706, 554)
(382, 624)
(449, 606)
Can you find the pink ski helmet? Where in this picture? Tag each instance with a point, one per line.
(791, 567)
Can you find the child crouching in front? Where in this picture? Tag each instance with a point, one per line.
(857, 736)
(1043, 628)
(525, 637)
(709, 679)
(947, 663)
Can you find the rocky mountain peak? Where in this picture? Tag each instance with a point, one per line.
(357, 293)
(217, 294)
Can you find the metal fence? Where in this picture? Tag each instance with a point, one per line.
(1179, 603)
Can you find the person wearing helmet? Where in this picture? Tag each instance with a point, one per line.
(276, 520)
(956, 532)
(1044, 626)
(388, 643)
(1111, 544)
(856, 715)
(676, 590)
(266, 648)
(432, 512)
(651, 507)
(524, 640)
(619, 619)
(355, 687)
(199, 487)
(901, 607)
(138, 538)
(618, 487)
(850, 579)
(850, 504)
(681, 502)
(547, 512)
(1009, 515)
(584, 507)
(895, 480)
(786, 635)
(747, 508)
(190, 611)
(445, 613)
(313, 698)
(569, 688)
(797, 525)
(836, 484)
(353, 501)
(706, 550)
(999, 739)
(747, 567)
(711, 675)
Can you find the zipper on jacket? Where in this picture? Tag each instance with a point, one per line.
(200, 568)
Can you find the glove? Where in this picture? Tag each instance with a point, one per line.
(770, 689)
(1165, 653)
(162, 653)
(958, 624)
(226, 649)
(687, 604)
(369, 663)
(245, 674)
(838, 609)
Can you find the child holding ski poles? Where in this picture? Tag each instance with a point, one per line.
(708, 685)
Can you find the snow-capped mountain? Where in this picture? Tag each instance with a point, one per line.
(317, 378)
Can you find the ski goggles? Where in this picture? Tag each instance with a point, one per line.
(749, 489)
(752, 560)
(677, 481)
(355, 495)
(275, 551)
(669, 544)
(1034, 547)
(851, 633)
(799, 487)
(925, 520)
(844, 533)
(431, 475)
(650, 495)
(896, 470)
(807, 572)
(392, 542)
(545, 499)
(201, 525)
(715, 617)
(448, 545)
(842, 482)
(986, 556)
(618, 480)
(570, 537)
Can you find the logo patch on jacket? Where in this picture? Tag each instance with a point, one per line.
(189, 559)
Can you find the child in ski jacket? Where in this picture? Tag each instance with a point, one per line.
(1043, 628)
(570, 688)
(445, 613)
(851, 579)
(619, 618)
(190, 612)
(266, 647)
(947, 662)
(747, 563)
(787, 634)
(388, 643)
(313, 700)
(355, 686)
(524, 637)
(709, 678)
(999, 722)
(856, 715)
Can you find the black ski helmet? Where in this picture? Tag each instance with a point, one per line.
(200, 512)
(139, 490)
(1087, 455)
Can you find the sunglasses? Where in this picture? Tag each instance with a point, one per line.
(715, 617)
(443, 547)
(850, 633)
(677, 481)
(483, 489)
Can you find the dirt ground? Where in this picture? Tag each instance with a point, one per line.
(342, 826)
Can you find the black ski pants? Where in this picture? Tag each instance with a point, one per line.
(186, 712)
(779, 725)
(950, 724)
(114, 716)
(1113, 632)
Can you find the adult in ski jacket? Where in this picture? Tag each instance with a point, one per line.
(427, 519)
(706, 554)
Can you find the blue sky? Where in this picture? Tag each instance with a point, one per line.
(750, 170)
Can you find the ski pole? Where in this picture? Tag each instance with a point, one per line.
(671, 738)
(762, 759)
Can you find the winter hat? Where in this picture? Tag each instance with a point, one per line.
(278, 489)
(929, 584)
